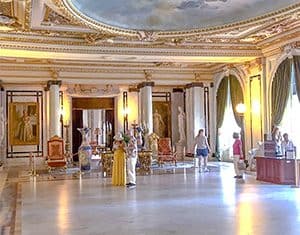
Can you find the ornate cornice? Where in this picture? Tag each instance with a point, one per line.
(124, 51)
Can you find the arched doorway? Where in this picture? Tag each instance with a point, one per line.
(229, 94)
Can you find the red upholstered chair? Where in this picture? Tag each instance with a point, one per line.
(56, 157)
(165, 152)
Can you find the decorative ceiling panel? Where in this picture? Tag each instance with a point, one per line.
(173, 15)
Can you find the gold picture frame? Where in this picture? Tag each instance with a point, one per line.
(162, 118)
(24, 123)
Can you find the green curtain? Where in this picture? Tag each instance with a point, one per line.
(221, 104)
(280, 91)
(237, 97)
(236, 94)
(297, 74)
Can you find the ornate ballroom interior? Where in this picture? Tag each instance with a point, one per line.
(115, 65)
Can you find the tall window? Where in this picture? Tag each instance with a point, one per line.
(228, 127)
(291, 115)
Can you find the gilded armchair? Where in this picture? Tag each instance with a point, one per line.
(56, 157)
(165, 152)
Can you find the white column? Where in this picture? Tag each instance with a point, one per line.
(194, 112)
(146, 104)
(54, 114)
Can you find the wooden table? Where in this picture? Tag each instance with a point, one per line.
(276, 170)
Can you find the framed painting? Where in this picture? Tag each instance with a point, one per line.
(24, 123)
(162, 118)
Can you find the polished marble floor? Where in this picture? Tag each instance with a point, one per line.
(185, 203)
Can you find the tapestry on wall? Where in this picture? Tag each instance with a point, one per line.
(24, 123)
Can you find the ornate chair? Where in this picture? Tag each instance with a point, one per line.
(56, 157)
(165, 152)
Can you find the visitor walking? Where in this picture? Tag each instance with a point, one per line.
(202, 150)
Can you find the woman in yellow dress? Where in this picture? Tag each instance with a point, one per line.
(119, 164)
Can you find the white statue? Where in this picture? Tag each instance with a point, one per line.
(2, 125)
(153, 144)
(181, 125)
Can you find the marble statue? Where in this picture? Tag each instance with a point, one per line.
(2, 125)
(181, 125)
(153, 144)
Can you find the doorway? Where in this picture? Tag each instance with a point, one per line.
(93, 113)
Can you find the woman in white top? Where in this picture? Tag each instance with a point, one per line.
(202, 149)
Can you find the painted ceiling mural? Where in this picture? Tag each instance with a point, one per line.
(175, 14)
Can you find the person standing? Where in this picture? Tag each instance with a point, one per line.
(287, 145)
(119, 166)
(202, 150)
(237, 155)
(132, 152)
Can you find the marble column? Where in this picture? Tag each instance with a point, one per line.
(54, 108)
(195, 118)
(145, 98)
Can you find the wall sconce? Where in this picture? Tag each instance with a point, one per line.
(241, 108)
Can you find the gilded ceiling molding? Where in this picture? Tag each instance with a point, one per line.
(28, 8)
(98, 70)
(52, 17)
(121, 51)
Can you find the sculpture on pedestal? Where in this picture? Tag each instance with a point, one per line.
(2, 130)
(2, 125)
(181, 125)
(180, 145)
(153, 144)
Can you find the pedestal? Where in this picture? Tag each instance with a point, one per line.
(180, 150)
